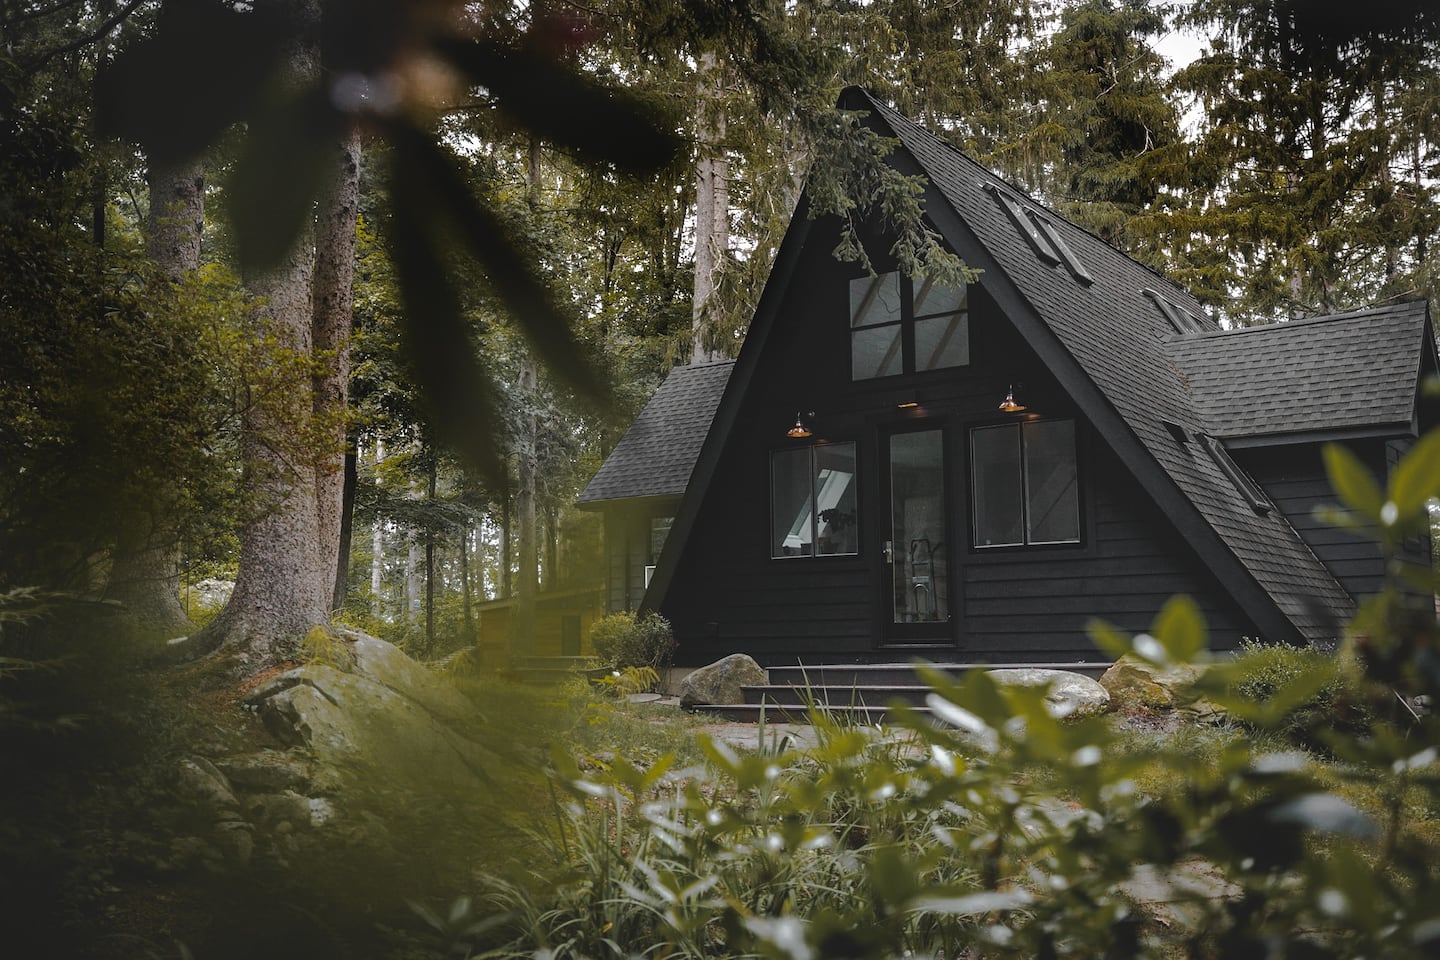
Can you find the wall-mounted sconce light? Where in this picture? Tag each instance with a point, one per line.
(1010, 404)
(801, 430)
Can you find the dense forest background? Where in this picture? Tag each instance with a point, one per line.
(551, 205)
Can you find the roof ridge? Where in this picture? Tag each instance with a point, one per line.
(1024, 194)
(1274, 325)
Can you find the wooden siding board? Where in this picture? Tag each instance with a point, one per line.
(1294, 478)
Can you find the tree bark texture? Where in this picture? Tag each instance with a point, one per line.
(145, 564)
(283, 586)
(377, 547)
(712, 207)
(523, 639)
(330, 330)
(350, 479)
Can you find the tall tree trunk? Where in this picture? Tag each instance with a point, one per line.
(334, 282)
(350, 480)
(430, 566)
(712, 207)
(467, 617)
(145, 565)
(282, 588)
(412, 583)
(507, 547)
(523, 638)
(377, 547)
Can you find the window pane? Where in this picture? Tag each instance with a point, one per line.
(932, 298)
(996, 486)
(875, 352)
(837, 531)
(942, 342)
(1051, 495)
(875, 300)
(792, 507)
(659, 533)
(917, 527)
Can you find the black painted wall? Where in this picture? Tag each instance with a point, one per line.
(1008, 604)
(1293, 476)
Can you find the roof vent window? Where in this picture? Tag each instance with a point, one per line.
(1247, 487)
(1072, 262)
(1028, 228)
(1181, 321)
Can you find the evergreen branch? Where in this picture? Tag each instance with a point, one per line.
(100, 32)
(12, 18)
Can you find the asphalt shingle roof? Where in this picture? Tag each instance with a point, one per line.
(657, 454)
(1118, 337)
(1342, 371)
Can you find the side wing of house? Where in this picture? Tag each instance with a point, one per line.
(1275, 395)
(638, 488)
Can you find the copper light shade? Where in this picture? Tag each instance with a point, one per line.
(799, 431)
(1010, 404)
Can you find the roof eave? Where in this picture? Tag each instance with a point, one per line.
(726, 413)
(1391, 428)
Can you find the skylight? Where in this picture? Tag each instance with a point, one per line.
(1028, 228)
(1181, 321)
(1247, 487)
(1072, 262)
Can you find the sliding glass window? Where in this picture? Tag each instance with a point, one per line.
(1024, 484)
(812, 501)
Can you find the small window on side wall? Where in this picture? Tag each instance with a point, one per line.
(812, 501)
(1024, 484)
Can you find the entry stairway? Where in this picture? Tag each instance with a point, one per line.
(861, 693)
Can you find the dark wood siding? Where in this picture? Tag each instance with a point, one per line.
(1030, 603)
(1293, 476)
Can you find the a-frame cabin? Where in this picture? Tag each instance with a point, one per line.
(896, 468)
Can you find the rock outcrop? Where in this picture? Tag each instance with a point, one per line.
(1138, 684)
(1070, 695)
(370, 721)
(720, 682)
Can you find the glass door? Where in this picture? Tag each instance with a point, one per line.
(916, 550)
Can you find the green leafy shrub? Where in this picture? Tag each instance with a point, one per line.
(938, 839)
(624, 640)
(1324, 699)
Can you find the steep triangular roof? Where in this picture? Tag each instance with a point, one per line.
(1112, 357)
(656, 455)
(1119, 338)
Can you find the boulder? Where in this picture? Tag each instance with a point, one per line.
(1070, 695)
(719, 683)
(266, 771)
(1138, 684)
(379, 712)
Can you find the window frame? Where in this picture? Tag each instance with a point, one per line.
(810, 449)
(906, 326)
(1026, 544)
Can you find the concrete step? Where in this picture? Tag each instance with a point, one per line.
(863, 696)
(549, 671)
(781, 713)
(903, 674)
(859, 693)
